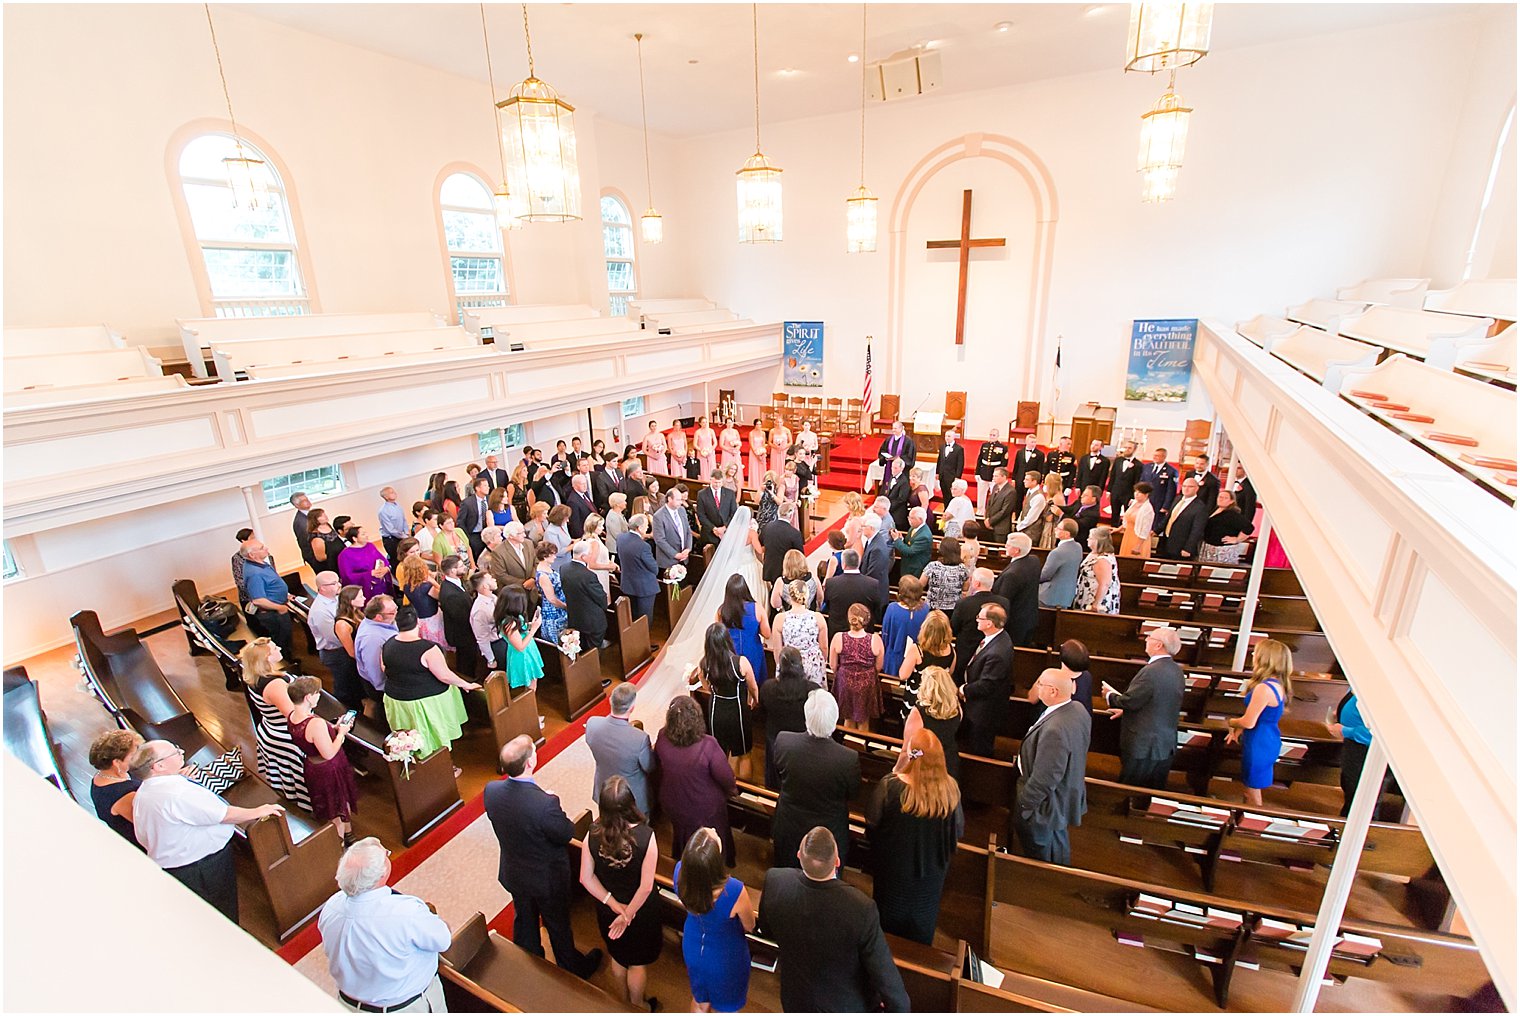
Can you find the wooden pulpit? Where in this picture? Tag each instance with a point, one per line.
(1092, 422)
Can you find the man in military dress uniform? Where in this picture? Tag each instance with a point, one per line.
(1064, 462)
(994, 454)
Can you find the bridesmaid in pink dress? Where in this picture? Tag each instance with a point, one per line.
(706, 444)
(675, 439)
(731, 443)
(757, 464)
(654, 449)
(781, 440)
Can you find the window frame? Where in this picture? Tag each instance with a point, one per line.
(643, 404)
(303, 486)
(616, 295)
(456, 299)
(13, 569)
(308, 302)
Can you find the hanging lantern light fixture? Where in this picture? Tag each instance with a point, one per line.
(508, 208)
(539, 131)
(1166, 36)
(1163, 141)
(248, 178)
(759, 184)
(860, 207)
(651, 225)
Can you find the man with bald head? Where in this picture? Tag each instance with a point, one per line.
(832, 955)
(1052, 764)
(1019, 584)
(382, 946)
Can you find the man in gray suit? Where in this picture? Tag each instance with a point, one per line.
(638, 576)
(1058, 578)
(1151, 707)
(672, 531)
(877, 559)
(620, 748)
(1052, 764)
(1000, 506)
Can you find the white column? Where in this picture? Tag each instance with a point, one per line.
(1253, 593)
(253, 498)
(1342, 874)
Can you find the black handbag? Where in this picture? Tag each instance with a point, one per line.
(219, 615)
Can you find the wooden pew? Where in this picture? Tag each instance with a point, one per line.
(349, 363)
(574, 687)
(483, 971)
(1324, 357)
(27, 736)
(231, 358)
(1263, 328)
(511, 714)
(297, 875)
(1421, 962)
(1421, 333)
(57, 395)
(93, 368)
(634, 648)
(196, 334)
(65, 339)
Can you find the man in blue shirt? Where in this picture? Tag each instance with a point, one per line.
(268, 609)
(392, 523)
(377, 628)
(382, 946)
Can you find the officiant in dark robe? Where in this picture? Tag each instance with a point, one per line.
(896, 445)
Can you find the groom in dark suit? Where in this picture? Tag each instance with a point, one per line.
(896, 445)
(950, 464)
(716, 505)
(1052, 766)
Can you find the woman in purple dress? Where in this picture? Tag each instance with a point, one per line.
(363, 564)
(329, 777)
(695, 778)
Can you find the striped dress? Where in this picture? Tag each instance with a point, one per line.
(281, 762)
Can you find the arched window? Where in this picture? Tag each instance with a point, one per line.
(476, 249)
(240, 214)
(617, 245)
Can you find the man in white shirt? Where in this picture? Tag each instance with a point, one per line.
(320, 617)
(185, 828)
(382, 946)
(1034, 505)
(483, 621)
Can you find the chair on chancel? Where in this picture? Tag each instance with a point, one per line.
(886, 414)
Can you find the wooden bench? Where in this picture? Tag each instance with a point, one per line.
(1325, 314)
(27, 736)
(1438, 338)
(1492, 298)
(126, 388)
(483, 971)
(59, 340)
(1492, 361)
(99, 367)
(233, 357)
(552, 334)
(196, 334)
(1393, 292)
(353, 364)
(295, 855)
(1263, 328)
(637, 309)
(1467, 423)
(662, 320)
(483, 321)
(512, 714)
(574, 687)
(1322, 356)
(634, 648)
(715, 327)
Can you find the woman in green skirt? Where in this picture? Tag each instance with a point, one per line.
(524, 663)
(421, 692)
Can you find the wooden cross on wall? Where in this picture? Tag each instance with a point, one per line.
(965, 243)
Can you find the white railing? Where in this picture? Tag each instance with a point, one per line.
(1412, 571)
(274, 306)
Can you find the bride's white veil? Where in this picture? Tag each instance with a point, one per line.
(665, 679)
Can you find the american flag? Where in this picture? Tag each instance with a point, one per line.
(866, 398)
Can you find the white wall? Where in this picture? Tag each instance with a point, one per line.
(1309, 165)
(94, 93)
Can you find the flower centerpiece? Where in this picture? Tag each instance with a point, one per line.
(403, 746)
(673, 576)
(570, 643)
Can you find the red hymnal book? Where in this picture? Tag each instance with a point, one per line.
(1488, 462)
(1456, 439)
(1397, 407)
(1357, 393)
(1412, 417)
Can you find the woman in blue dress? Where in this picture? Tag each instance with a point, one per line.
(553, 609)
(1266, 693)
(902, 621)
(746, 623)
(718, 914)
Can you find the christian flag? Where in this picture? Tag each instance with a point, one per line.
(866, 398)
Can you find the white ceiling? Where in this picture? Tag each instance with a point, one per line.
(698, 57)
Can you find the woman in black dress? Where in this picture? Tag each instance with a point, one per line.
(1225, 532)
(938, 710)
(323, 543)
(618, 860)
(934, 646)
(913, 820)
(783, 698)
(730, 681)
(113, 788)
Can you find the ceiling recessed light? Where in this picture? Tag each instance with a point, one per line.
(1003, 26)
(853, 58)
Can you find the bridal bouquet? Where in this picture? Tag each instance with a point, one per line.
(673, 576)
(403, 746)
(570, 643)
(692, 677)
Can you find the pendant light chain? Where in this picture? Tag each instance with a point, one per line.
(644, 110)
(529, 37)
(501, 150)
(237, 137)
(862, 95)
(754, 10)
